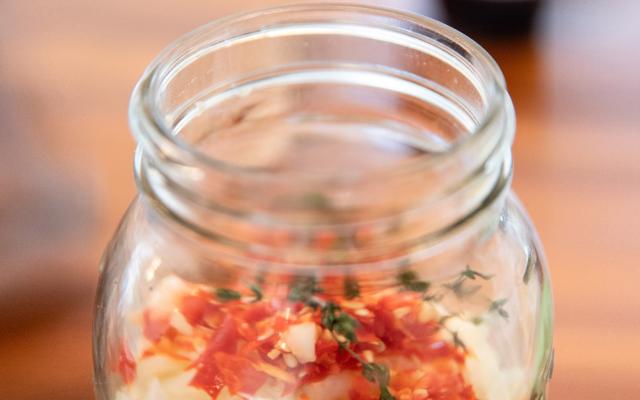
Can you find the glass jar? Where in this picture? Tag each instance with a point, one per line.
(324, 213)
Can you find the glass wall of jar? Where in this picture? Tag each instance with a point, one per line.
(324, 212)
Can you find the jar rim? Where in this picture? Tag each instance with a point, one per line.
(151, 130)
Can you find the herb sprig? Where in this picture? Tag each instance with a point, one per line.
(342, 327)
(462, 290)
(409, 281)
(351, 288)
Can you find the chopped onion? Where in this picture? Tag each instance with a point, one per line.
(301, 340)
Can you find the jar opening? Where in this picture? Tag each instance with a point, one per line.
(316, 115)
(427, 89)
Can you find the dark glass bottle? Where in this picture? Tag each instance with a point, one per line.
(493, 17)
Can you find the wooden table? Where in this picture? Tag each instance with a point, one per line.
(66, 71)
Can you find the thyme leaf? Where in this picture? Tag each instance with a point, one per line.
(351, 288)
(303, 289)
(457, 342)
(224, 294)
(257, 291)
(341, 323)
(385, 394)
(472, 274)
(460, 289)
(409, 281)
(458, 286)
(338, 321)
(498, 307)
(378, 373)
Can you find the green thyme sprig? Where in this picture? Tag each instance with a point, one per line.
(408, 279)
(303, 289)
(378, 373)
(342, 327)
(373, 372)
(459, 286)
(338, 321)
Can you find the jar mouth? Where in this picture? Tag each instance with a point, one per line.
(155, 132)
(381, 130)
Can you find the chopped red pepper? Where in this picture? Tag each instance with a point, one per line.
(238, 373)
(243, 345)
(194, 309)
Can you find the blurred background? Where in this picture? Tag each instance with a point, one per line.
(67, 68)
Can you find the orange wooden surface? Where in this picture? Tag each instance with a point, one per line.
(66, 71)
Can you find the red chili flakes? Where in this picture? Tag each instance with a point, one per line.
(208, 378)
(224, 340)
(194, 308)
(241, 335)
(257, 312)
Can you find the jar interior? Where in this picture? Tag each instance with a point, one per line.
(331, 99)
(302, 120)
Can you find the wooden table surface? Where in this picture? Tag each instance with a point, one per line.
(66, 71)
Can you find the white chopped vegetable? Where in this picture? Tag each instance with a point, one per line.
(158, 366)
(275, 372)
(181, 324)
(273, 389)
(164, 297)
(301, 340)
(155, 391)
(427, 312)
(490, 379)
